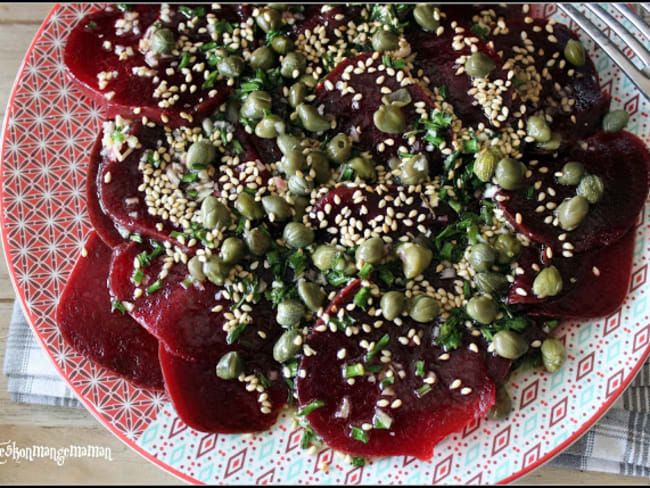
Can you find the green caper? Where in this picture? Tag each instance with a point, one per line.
(215, 270)
(482, 309)
(615, 121)
(248, 207)
(317, 161)
(490, 282)
(309, 80)
(423, 308)
(363, 168)
(289, 312)
(200, 154)
(311, 295)
(300, 205)
(233, 110)
(484, 165)
(390, 119)
(384, 40)
(268, 19)
(509, 174)
(256, 103)
(552, 144)
(538, 129)
(345, 264)
(502, 405)
(509, 344)
(300, 185)
(195, 267)
(400, 97)
(278, 206)
(297, 235)
(293, 161)
(574, 52)
(370, 251)
(287, 346)
(324, 256)
(162, 41)
(231, 66)
(287, 142)
(572, 211)
(425, 16)
(230, 366)
(311, 119)
(592, 188)
(479, 65)
(258, 240)
(553, 354)
(293, 65)
(393, 304)
(232, 250)
(572, 173)
(415, 259)
(481, 257)
(282, 44)
(548, 282)
(270, 127)
(507, 247)
(297, 93)
(214, 214)
(263, 58)
(414, 170)
(339, 148)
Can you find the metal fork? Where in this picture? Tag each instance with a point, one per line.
(639, 76)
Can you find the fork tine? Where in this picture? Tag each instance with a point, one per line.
(645, 7)
(633, 17)
(631, 41)
(627, 66)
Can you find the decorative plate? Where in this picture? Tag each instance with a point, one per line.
(47, 137)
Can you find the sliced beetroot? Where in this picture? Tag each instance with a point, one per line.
(209, 404)
(417, 424)
(92, 327)
(621, 160)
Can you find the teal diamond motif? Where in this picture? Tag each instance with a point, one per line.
(557, 379)
(613, 351)
(639, 244)
(562, 436)
(603, 64)
(641, 305)
(294, 469)
(472, 454)
(587, 395)
(206, 473)
(382, 465)
(149, 435)
(266, 449)
(176, 455)
(503, 470)
(585, 334)
(530, 425)
(415, 479)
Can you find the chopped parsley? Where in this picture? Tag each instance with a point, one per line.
(310, 407)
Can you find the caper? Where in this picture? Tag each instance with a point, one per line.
(297, 93)
(299, 206)
(615, 121)
(509, 344)
(507, 247)
(574, 52)
(215, 270)
(214, 214)
(548, 282)
(482, 309)
(309, 80)
(195, 267)
(502, 405)
(538, 129)
(207, 126)
(293, 65)
(311, 295)
(256, 103)
(297, 235)
(231, 66)
(553, 354)
(300, 185)
(270, 127)
(572, 211)
(509, 174)
(415, 259)
(230, 366)
(233, 111)
(424, 15)
(162, 41)
(484, 165)
(423, 308)
(248, 207)
(390, 119)
(552, 144)
(282, 44)
(232, 250)
(289, 312)
(363, 168)
(311, 119)
(384, 40)
(481, 257)
(414, 170)
(278, 206)
(287, 346)
(293, 161)
(263, 58)
(571, 173)
(199, 154)
(345, 264)
(317, 161)
(287, 142)
(400, 97)
(479, 65)
(257, 240)
(324, 256)
(268, 19)
(370, 251)
(338, 149)
(592, 188)
(393, 304)
(490, 282)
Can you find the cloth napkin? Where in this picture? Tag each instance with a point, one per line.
(618, 443)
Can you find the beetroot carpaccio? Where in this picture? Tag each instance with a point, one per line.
(371, 214)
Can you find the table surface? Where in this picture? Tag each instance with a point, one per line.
(56, 427)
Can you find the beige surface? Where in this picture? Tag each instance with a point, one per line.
(57, 427)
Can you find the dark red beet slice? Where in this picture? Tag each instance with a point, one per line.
(209, 404)
(620, 159)
(418, 424)
(112, 339)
